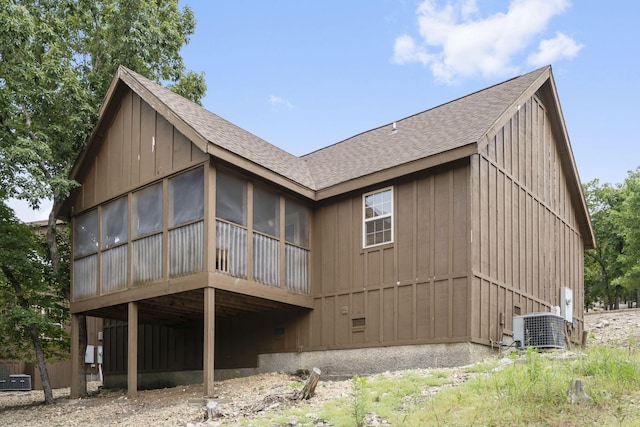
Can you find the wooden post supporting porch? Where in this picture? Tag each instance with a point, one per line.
(132, 357)
(209, 340)
(75, 357)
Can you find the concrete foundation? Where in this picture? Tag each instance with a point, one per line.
(334, 364)
(367, 361)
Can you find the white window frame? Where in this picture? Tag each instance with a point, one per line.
(365, 220)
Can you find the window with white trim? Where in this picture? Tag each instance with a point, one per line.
(377, 217)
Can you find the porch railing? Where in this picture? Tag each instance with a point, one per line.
(186, 256)
(186, 249)
(85, 277)
(146, 260)
(231, 249)
(266, 259)
(297, 269)
(114, 269)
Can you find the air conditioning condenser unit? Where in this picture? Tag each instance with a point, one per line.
(541, 330)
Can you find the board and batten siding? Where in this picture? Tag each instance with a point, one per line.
(526, 240)
(414, 290)
(139, 147)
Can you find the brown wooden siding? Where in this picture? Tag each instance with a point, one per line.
(159, 347)
(138, 146)
(526, 241)
(412, 290)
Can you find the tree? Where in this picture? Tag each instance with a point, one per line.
(32, 310)
(602, 264)
(630, 229)
(57, 58)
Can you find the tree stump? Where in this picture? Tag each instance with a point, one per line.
(576, 394)
(585, 335)
(310, 386)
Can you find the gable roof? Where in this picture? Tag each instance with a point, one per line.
(454, 125)
(445, 133)
(214, 134)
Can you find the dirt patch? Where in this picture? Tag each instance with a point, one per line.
(240, 398)
(177, 406)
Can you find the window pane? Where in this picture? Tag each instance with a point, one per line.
(266, 217)
(378, 219)
(186, 197)
(296, 223)
(115, 223)
(378, 231)
(378, 204)
(85, 234)
(147, 210)
(231, 198)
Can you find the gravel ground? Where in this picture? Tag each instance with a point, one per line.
(614, 328)
(236, 398)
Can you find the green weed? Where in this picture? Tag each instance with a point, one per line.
(532, 390)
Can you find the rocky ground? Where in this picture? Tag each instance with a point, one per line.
(236, 398)
(617, 328)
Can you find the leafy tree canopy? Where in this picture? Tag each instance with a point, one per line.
(28, 301)
(57, 59)
(629, 218)
(612, 269)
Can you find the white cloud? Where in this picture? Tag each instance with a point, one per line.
(277, 101)
(405, 51)
(551, 50)
(456, 41)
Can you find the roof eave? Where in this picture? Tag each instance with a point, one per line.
(584, 221)
(397, 171)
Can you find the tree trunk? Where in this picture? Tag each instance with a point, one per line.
(52, 245)
(42, 366)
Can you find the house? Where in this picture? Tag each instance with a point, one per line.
(412, 244)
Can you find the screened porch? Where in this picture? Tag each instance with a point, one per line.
(157, 233)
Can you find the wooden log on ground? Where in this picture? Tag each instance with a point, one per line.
(310, 386)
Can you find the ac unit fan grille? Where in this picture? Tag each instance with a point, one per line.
(543, 331)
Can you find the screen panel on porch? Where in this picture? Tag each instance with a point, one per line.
(186, 214)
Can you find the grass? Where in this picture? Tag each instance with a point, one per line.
(532, 390)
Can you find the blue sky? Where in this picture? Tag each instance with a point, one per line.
(304, 75)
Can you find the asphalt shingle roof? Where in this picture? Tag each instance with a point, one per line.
(446, 127)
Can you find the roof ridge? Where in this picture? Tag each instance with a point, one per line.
(538, 70)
